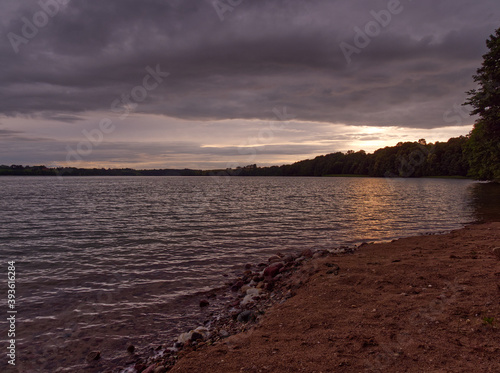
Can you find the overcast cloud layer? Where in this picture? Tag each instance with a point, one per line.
(229, 67)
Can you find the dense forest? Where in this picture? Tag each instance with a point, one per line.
(409, 159)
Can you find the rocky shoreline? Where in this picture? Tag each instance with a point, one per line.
(423, 303)
(239, 306)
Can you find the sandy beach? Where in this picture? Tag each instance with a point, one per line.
(418, 304)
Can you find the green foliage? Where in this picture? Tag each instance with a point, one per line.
(488, 320)
(483, 148)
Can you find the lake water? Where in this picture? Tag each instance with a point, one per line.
(108, 261)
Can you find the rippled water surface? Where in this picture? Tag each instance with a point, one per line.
(104, 262)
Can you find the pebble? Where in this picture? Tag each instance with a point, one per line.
(199, 334)
(244, 288)
(307, 253)
(195, 336)
(150, 369)
(274, 259)
(183, 338)
(131, 349)
(204, 303)
(246, 316)
(94, 355)
(288, 258)
(273, 269)
(249, 297)
(203, 331)
(237, 285)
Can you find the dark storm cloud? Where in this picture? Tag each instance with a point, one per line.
(11, 136)
(264, 54)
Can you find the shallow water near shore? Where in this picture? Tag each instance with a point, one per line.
(109, 261)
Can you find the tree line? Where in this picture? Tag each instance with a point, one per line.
(19, 170)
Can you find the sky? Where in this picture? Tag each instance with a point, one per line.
(222, 83)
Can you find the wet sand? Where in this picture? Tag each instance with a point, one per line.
(418, 304)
